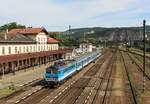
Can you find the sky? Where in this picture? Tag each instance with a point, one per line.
(57, 15)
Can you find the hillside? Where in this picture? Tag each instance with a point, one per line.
(109, 34)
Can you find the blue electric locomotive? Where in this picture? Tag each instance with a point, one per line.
(63, 69)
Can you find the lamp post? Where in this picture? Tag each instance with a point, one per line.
(105, 43)
(144, 49)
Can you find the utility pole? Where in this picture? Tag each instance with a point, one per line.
(3, 72)
(105, 43)
(126, 40)
(144, 49)
(69, 31)
(84, 35)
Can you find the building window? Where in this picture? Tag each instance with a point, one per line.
(30, 48)
(9, 50)
(3, 50)
(38, 39)
(41, 40)
(41, 48)
(34, 48)
(38, 48)
(20, 49)
(27, 49)
(15, 49)
(24, 50)
(51, 48)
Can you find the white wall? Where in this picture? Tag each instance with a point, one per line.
(41, 40)
(52, 47)
(17, 48)
(26, 48)
(41, 45)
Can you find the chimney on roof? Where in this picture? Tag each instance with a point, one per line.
(7, 31)
(6, 34)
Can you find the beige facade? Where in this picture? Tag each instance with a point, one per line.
(40, 45)
(24, 48)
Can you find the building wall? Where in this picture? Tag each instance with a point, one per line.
(25, 48)
(40, 45)
(41, 40)
(52, 46)
(16, 48)
(86, 47)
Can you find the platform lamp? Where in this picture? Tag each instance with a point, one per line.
(3, 71)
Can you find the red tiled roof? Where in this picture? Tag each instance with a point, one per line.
(15, 31)
(16, 57)
(52, 40)
(27, 31)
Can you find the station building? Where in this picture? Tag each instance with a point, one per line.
(23, 48)
(85, 46)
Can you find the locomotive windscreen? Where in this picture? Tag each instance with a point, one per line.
(52, 70)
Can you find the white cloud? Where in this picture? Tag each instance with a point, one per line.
(75, 12)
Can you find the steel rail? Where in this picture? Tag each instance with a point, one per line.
(129, 79)
(111, 68)
(102, 79)
(139, 67)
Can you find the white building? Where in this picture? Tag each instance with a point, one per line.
(22, 48)
(86, 47)
(27, 41)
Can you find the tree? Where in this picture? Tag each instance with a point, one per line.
(11, 25)
(70, 42)
(55, 35)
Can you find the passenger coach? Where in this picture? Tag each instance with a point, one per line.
(63, 69)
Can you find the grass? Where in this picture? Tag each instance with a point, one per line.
(6, 91)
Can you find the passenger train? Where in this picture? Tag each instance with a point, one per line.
(63, 69)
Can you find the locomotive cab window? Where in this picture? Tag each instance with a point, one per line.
(51, 70)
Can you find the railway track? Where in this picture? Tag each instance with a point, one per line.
(137, 77)
(103, 90)
(92, 85)
(139, 63)
(31, 88)
(74, 92)
(139, 66)
(55, 92)
(132, 87)
(92, 90)
(83, 84)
